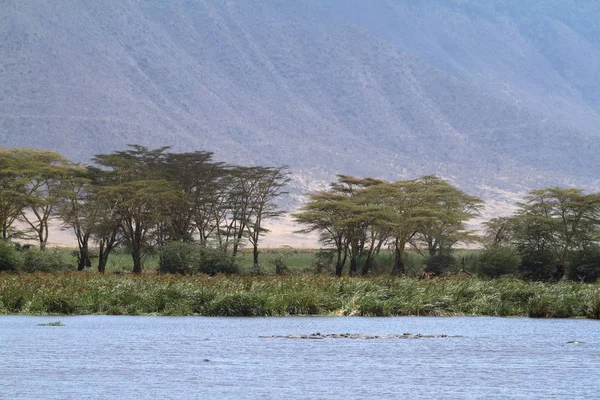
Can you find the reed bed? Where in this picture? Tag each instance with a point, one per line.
(301, 294)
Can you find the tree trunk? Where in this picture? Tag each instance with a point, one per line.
(42, 239)
(353, 265)
(43, 235)
(102, 259)
(367, 266)
(399, 268)
(83, 258)
(255, 258)
(339, 266)
(105, 246)
(559, 272)
(136, 254)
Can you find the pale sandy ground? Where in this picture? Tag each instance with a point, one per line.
(282, 234)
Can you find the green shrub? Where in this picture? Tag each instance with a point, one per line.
(280, 264)
(585, 266)
(178, 258)
(10, 258)
(212, 262)
(414, 263)
(498, 261)
(440, 265)
(324, 261)
(188, 258)
(469, 260)
(49, 260)
(537, 266)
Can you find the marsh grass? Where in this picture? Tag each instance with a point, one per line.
(298, 294)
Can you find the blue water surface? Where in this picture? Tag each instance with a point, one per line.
(118, 357)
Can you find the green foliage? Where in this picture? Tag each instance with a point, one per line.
(188, 258)
(440, 264)
(241, 305)
(147, 294)
(357, 216)
(557, 303)
(212, 262)
(280, 265)
(497, 261)
(10, 258)
(178, 258)
(50, 260)
(537, 265)
(585, 265)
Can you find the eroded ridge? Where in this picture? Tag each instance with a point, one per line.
(319, 335)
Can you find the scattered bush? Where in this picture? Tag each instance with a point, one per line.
(585, 266)
(324, 261)
(280, 264)
(178, 258)
(188, 258)
(440, 265)
(498, 261)
(10, 258)
(213, 262)
(49, 260)
(537, 266)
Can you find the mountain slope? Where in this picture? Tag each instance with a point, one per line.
(304, 83)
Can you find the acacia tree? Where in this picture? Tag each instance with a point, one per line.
(15, 169)
(347, 219)
(559, 220)
(500, 231)
(449, 209)
(321, 214)
(76, 213)
(231, 211)
(143, 198)
(360, 219)
(266, 185)
(197, 177)
(106, 231)
(367, 222)
(548, 227)
(404, 202)
(47, 175)
(141, 206)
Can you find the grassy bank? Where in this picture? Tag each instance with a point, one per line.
(305, 294)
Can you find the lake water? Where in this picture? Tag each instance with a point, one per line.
(108, 357)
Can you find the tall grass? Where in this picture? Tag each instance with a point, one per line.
(299, 294)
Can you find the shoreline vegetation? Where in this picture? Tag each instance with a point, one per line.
(73, 293)
(190, 229)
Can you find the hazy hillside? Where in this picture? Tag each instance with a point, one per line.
(484, 93)
(540, 54)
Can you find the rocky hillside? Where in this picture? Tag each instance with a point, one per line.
(495, 95)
